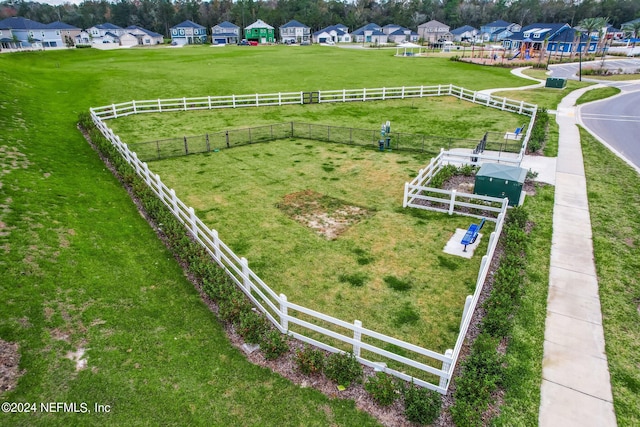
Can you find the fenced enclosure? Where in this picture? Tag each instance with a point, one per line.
(410, 362)
(215, 141)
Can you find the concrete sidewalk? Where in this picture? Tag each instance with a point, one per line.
(576, 387)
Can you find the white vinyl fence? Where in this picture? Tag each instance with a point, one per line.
(307, 325)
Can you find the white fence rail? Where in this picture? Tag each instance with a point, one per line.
(275, 306)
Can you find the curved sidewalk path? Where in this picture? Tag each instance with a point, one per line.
(576, 386)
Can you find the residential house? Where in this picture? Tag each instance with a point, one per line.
(434, 32)
(105, 33)
(188, 32)
(552, 38)
(7, 41)
(294, 32)
(144, 37)
(398, 34)
(334, 33)
(487, 30)
(370, 33)
(614, 33)
(225, 33)
(67, 33)
(31, 34)
(128, 40)
(260, 32)
(465, 33)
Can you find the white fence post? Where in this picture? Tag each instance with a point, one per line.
(115, 113)
(453, 202)
(257, 100)
(284, 316)
(402, 96)
(134, 107)
(194, 224)
(216, 244)
(184, 103)
(357, 336)
(521, 107)
(245, 273)
(209, 99)
(445, 367)
(405, 200)
(159, 188)
(384, 90)
(159, 106)
(364, 94)
(279, 98)
(174, 203)
(421, 91)
(233, 101)
(344, 95)
(480, 272)
(467, 305)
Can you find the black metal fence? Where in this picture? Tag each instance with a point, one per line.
(216, 141)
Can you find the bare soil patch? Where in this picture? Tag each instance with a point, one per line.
(9, 365)
(327, 216)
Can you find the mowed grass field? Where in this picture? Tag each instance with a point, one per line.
(240, 193)
(81, 269)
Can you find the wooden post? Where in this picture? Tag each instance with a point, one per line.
(284, 316)
(357, 336)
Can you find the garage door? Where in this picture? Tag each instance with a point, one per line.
(322, 40)
(220, 41)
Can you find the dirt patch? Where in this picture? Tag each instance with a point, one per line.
(9, 365)
(327, 216)
(78, 357)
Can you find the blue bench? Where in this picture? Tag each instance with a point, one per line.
(515, 134)
(472, 234)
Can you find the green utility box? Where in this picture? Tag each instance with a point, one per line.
(501, 181)
(556, 83)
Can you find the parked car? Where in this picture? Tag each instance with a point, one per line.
(243, 42)
(305, 43)
(253, 43)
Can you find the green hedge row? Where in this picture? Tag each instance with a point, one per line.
(482, 372)
(539, 131)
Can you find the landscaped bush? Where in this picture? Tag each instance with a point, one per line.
(383, 388)
(539, 132)
(421, 405)
(343, 368)
(310, 360)
(274, 344)
(252, 326)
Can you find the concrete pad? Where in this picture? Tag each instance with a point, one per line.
(572, 221)
(573, 282)
(586, 308)
(454, 247)
(576, 255)
(576, 370)
(577, 335)
(561, 406)
(544, 166)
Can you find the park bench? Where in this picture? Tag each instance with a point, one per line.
(515, 135)
(472, 234)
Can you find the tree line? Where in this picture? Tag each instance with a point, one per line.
(160, 15)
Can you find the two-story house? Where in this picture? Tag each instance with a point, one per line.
(466, 33)
(105, 33)
(260, 32)
(338, 33)
(434, 32)
(32, 34)
(225, 33)
(294, 32)
(188, 32)
(66, 32)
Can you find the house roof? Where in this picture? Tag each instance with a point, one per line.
(144, 30)
(368, 27)
(188, 24)
(107, 26)
(340, 29)
(226, 24)
(259, 24)
(19, 23)
(110, 34)
(462, 30)
(293, 24)
(6, 40)
(497, 23)
(61, 26)
(433, 23)
(388, 26)
(403, 31)
(543, 30)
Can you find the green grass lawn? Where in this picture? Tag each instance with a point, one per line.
(614, 205)
(241, 193)
(597, 94)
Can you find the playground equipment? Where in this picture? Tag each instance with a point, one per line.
(472, 234)
(385, 139)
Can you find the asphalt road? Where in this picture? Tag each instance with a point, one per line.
(617, 122)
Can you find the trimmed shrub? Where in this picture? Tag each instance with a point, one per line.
(310, 361)
(273, 344)
(421, 405)
(344, 369)
(383, 388)
(252, 326)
